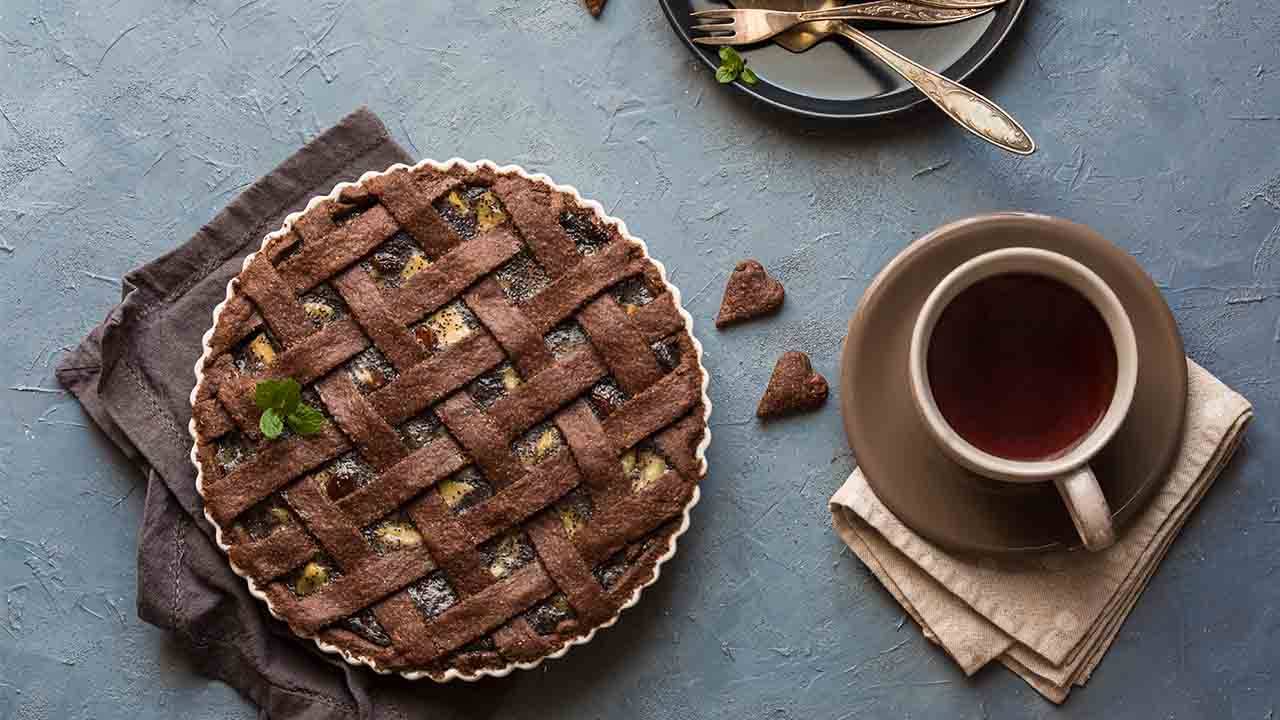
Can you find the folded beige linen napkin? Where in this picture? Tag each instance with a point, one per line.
(1048, 617)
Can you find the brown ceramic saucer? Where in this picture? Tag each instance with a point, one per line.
(946, 503)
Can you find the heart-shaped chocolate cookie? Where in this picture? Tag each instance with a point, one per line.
(751, 292)
(794, 387)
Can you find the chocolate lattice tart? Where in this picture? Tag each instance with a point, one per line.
(516, 420)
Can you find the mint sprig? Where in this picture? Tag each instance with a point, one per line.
(734, 67)
(281, 404)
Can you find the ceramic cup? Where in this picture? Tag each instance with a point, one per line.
(1069, 469)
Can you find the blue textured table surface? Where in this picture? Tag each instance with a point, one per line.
(124, 126)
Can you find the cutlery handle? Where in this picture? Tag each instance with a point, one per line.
(895, 11)
(974, 112)
(960, 3)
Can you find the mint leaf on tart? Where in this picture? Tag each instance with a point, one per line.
(305, 420)
(280, 394)
(270, 424)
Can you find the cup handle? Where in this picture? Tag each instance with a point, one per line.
(1088, 508)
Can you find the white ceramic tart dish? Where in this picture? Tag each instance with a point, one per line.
(515, 420)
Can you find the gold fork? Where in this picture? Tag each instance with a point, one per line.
(749, 26)
(969, 109)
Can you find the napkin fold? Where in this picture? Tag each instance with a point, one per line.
(1049, 617)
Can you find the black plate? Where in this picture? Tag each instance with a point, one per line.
(834, 80)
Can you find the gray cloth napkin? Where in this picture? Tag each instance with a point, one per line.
(133, 375)
(1051, 617)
